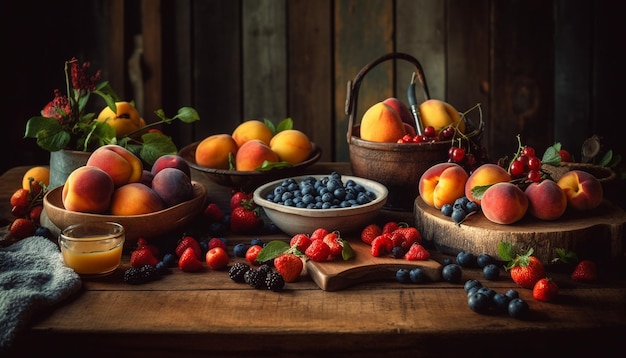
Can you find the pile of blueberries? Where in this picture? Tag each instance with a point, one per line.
(460, 209)
(328, 192)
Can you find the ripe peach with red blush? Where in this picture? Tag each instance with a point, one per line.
(486, 174)
(504, 203)
(88, 189)
(173, 186)
(171, 161)
(546, 200)
(252, 154)
(583, 190)
(135, 199)
(442, 184)
(121, 164)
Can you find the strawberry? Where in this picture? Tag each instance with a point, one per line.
(585, 271)
(35, 213)
(252, 253)
(332, 240)
(189, 241)
(142, 256)
(410, 236)
(526, 270)
(545, 290)
(381, 245)
(20, 198)
(216, 242)
(319, 234)
(318, 251)
(237, 199)
(142, 242)
(213, 213)
(417, 252)
(300, 242)
(244, 218)
(189, 262)
(289, 266)
(21, 228)
(390, 226)
(370, 232)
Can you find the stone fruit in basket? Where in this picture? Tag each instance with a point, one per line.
(135, 199)
(504, 203)
(88, 189)
(547, 201)
(442, 184)
(214, 151)
(485, 174)
(170, 161)
(252, 129)
(252, 154)
(402, 109)
(440, 114)
(291, 145)
(583, 190)
(381, 123)
(173, 186)
(121, 164)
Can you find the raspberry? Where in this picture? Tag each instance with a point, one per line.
(237, 272)
(274, 281)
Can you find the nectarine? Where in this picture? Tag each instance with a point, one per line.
(504, 203)
(442, 184)
(381, 123)
(173, 186)
(121, 164)
(583, 190)
(546, 200)
(484, 175)
(88, 189)
(252, 154)
(402, 109)
(170, 161)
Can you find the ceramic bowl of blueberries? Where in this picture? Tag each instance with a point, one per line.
(335, 202)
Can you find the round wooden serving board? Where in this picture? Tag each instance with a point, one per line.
(596, 234)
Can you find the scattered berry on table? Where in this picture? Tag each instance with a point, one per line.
(398, 252)
(189, 262)
(300, 242)
(501, 302)
(370, 232)
(518, 308)
(585, 271)
(254, 278)
(237, 272)
(403, 275)
(417, 252)
(466, 259)
(487, 291)
(479, 302)
(142, 256)
(511, 293)
(491, 272)
(274, 281)
(472, 283)
(240, 249)
(452, 273)
(545, 290)
(289, 266)
(483, 260)
(417, 275)
(252, 253)
(256, 241)
(318, 251)
(139, 275)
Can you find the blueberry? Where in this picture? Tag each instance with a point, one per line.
(471, 207)
(446, 261)
(43, 231)
(256, 241)
(487, 291)
(465, 259)
(484, 259)
(491, 272)
(169, 259)
(417, 275)
(472, 283)
(446, 210)
(479, 303)
(398, 252)
(240, 249)
(403, 275)
(512, 294)
(518, 308)
(458, 215)
(462, 201)
(472, 290)
(501, 302)
(452, 273)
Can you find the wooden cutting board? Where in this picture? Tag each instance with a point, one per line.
(598, 234)
(340, 274)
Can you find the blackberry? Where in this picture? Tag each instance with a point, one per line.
(237, 272)
(265, 268)
(274, 281)
(139, 275)
(254, 278)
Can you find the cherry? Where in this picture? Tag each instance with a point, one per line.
(528, 151)
(430, 132)
(534, 175)
(534, 163)
(517, 168)
(458, 154)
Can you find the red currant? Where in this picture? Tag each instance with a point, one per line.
(534, 163)
(407, 138)
(528, 151)
(517, 168)
(534, 176)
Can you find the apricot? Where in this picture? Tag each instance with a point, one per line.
(173, 186)
(291, 145)
(170, 161)
(88, 189)
(442, 184)
(546, 200)
(485, 174)
(121, 164)
(440, 114)
(214, 151)
(135, 199)
(38, 174)
(381, 123)
(252, 129)
(402, 109)
(583, 190)
(252, 154)
(504, 203)
(124, 120)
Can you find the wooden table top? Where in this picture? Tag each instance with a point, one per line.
(194, 313)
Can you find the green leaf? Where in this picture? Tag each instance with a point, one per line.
(270, 125)
(606, 158)
(565, 256)
(271, 250)
(347, 252)
(551, 155)
(37, 124)
(285, 124)
(187, 115)
(154, 146)
(231, 161)
(506, 251)
(479, 190)
(267, 166)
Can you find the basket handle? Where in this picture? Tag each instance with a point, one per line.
(353, 86)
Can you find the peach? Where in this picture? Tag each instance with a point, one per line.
(88, 189)
(546, 200)
(291, 145)
(170, 161)
(504, 203)
(381, 123)
(252, 129)
(402, 109)
(121, 164)
(440, 114)
(214, 151)
(484, 175)
(442, 184)
(135, 199)
(583, 190)
(252, 154)
(124, 120)
(173, 186)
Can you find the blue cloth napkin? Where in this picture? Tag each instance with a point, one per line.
(33, 279)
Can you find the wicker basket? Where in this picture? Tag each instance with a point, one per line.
(397, 166)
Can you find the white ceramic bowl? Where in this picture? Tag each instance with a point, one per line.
(293, 220)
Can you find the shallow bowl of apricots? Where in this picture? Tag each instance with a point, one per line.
(338, 212)
(151, 225)
(247, 180)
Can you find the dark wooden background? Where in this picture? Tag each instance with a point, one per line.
(547, 70)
